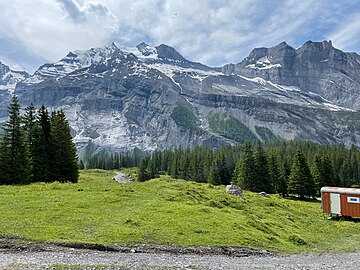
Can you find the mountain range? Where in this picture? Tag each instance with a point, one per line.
(121, 98)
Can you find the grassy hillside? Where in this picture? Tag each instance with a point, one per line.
(167, 211)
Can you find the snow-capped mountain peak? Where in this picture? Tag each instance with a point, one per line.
(9, 78)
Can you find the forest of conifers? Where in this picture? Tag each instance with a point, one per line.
(284, 167)
(36, 147)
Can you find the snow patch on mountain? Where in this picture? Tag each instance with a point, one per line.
(263, 63)
(143, 51)
(172, 70)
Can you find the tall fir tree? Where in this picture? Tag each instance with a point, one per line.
(29, 126)
(328, 171)
(14, 159)
(196, 170)
(219, 171)
(282, 184)
(274, 174)
(142, 174)
(245, 168)
(41, 149)
(300, 180)
(65, 166)
(184, 166)
(152, 170)
(262, 180)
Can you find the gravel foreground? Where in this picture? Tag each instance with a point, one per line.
(37, 256)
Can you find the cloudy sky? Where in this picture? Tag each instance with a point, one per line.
(213, 32)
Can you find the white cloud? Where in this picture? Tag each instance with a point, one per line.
(347, 34)
(51, 28)
(211, 31)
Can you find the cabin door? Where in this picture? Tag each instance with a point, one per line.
(335, 203)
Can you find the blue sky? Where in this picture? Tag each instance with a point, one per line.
(214, 32)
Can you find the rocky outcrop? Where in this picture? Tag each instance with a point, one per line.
(234, 190)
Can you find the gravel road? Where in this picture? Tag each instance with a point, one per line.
(88, 259)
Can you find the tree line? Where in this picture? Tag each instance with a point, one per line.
(284, 167)
(36, 147)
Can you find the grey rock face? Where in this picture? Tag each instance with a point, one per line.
(234, 190)
(315, 67)
(153, 98)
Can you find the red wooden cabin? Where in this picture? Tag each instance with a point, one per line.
(341, 201)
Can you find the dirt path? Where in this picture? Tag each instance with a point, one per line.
(24, 255)
(122, 178)
(75, 259)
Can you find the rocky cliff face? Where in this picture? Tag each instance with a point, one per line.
(152, 97)
(315, 67)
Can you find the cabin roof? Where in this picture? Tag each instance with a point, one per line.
(341, 190)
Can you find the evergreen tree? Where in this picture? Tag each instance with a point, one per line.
(29, 127)
(14, 159)
(214, 174)
(245, 168)
(262, 181)
(65, 163)
(274, 175)
(41, 149)
(322, 172)
(328, 171)
(143, 175)
(282, 185)
(196, 172)
(300, 179)
(174, 168)
(184, 166)
(81, 165)
(152, 171)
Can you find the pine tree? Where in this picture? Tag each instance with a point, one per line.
(41, 149)
(300, 179)
(196, 172)
(245, 168)
(262, 181)
(81, 165)
(29, 127)
(274, 175)
(184, 166)
(152, 171)
(174, 167)
(143, 175)
(214, 174)
(65, 163)
(328, 171)
(14, 159)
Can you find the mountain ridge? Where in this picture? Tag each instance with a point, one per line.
(147, 97)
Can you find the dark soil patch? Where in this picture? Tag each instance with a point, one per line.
(13, 244)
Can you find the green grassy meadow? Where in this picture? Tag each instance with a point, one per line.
(168, 211)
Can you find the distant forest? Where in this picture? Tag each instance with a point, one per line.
(284, 167)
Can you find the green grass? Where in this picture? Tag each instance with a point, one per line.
(230, 127)
(184, 117)
(266, 134)
(168, 211)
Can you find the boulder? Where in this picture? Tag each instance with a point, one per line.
(264, 194)
(234, 190)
